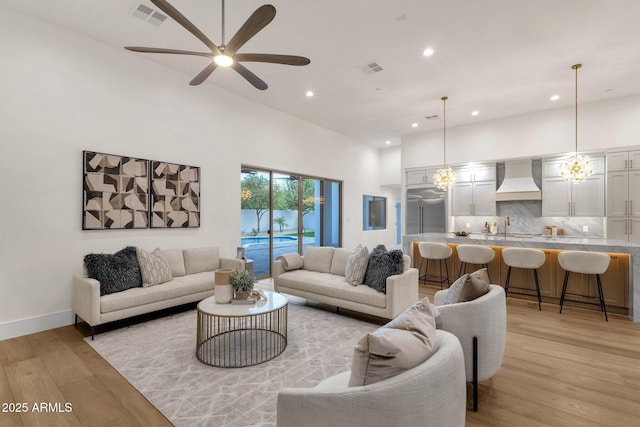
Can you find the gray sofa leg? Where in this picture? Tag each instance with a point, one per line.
(475, 374)
(76, 320)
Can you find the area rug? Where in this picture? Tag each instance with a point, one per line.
(158, 358)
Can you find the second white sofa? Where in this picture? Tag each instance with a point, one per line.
(322, 279)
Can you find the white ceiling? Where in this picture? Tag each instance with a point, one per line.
(500, 57)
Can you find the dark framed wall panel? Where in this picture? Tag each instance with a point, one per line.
(115, 192)
(175, 195)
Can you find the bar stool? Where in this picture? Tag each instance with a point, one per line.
(531, 259)
(474, 254)
(586, 263)
(435, 251)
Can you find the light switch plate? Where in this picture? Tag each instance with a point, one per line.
(585, 228)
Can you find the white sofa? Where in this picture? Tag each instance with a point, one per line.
(193, 280)
(431, 394)
(322, 279)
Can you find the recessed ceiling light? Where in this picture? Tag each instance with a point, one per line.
(427, 52)
(387, 142)
(309, 93)
(555, 97)
(414, 125)
(475, 113)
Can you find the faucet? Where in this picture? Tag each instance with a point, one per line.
(506, 224)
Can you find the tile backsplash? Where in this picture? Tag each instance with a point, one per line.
(527, 224)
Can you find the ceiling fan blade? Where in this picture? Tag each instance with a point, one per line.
(249, 76)
(188, 25)
(272, 58)
(256, 22)
(202, 75)
(162, 50)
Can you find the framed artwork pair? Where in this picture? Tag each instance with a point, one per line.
(121, 192)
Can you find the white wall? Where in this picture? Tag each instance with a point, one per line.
(63, 93)
(602, 125)
(391, 165)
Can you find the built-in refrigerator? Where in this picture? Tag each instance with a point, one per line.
(426, 211)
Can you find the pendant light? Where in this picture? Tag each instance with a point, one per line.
(576, 167)
(445, 177)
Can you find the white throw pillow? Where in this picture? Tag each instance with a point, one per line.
(357, 265)
(154, 267)
(292, 261)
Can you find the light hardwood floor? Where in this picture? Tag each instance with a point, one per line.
(573, 369)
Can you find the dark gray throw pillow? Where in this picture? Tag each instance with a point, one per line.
(117, 272)
(382, 264)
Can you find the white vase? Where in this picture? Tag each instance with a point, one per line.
(223, 291)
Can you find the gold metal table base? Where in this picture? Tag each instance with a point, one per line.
(241, 340)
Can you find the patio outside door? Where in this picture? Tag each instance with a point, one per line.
(284, 213)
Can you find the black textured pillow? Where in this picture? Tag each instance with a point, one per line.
(117, 272)
(382, 264)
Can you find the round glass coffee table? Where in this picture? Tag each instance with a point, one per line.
(239, 335)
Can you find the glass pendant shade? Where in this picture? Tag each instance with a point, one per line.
(445, 177)
(576, 168)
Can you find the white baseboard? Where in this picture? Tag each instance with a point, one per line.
(31, 325)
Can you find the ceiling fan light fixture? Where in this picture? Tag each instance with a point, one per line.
(223, 60)
(226, 54)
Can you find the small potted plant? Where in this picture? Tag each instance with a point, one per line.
(242, 283)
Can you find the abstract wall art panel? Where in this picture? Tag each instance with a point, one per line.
(175, 195)
(115, 192)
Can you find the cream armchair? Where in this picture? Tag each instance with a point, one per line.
(431, 394)
(481, 327)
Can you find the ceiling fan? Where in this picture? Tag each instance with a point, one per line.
(225, 55)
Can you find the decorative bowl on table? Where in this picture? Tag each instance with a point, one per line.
(461, 233)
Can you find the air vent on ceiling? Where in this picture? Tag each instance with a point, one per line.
(151, 16)
(370, 67)
(401, 18)
(432, 117)
(156, 19)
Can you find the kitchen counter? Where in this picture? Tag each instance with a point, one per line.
(593, 244)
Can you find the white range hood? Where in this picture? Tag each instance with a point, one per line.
(518, 183)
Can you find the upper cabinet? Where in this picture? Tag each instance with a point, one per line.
(561, 198)
(420, 176)
(623, 161)
(551, 167)
(474, 192)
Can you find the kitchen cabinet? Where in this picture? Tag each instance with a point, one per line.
(551, 167)
(474, 192)
(623, 202)
(561, 198)
(420, 176)
(623, 160)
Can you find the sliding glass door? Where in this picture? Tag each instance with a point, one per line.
(284, 213)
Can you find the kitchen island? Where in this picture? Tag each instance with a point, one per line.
(624, 277)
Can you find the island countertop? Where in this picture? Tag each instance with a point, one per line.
(591, 244)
